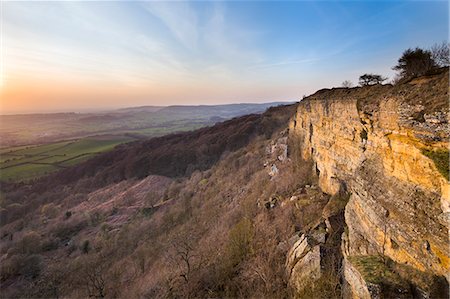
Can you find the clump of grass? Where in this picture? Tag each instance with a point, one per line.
(336, 204)
(392, 276)
(441, 159)
(374, 270)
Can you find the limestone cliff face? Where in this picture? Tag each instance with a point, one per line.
(374, 141)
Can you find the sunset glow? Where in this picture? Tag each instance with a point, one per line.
(60, 56)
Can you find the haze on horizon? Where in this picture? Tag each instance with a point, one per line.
(72, 56)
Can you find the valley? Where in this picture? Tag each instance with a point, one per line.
(35, 145)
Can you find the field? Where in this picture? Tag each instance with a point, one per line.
(27, 162)
(36, 144)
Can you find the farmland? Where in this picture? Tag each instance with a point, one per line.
(28, 162)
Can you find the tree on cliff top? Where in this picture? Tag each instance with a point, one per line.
(441, 54)
(347, 84)
(371, 79)
(415, 62)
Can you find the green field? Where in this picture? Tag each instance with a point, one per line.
(23, 163)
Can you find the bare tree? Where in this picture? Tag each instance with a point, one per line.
(185, 259)
(184, 264)
(141, 256)
(441, 54)
(89, 273)
(347, 84)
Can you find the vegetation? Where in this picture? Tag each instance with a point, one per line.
(34, 161)
(371, 79)
(375, 270)
(397, 278)
(240, 241)
(138, 122)
(178, 216)
(192, 237)
(440, 158)
(441, 54)
(415, 62)
(347, 84)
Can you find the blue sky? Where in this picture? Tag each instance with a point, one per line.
(83, 55)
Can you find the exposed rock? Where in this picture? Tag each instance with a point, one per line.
(273, 170)
(276, 152)
(314, 253)
(356, 286)
(303, 262)
(371, 141)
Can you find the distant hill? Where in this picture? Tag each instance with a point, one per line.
(150, 121)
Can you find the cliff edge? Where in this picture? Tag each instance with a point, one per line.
(387, 147)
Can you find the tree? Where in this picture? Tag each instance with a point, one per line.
(415, 62)
(90, 273)
(347, 84)
(441, 54)
(371, 79)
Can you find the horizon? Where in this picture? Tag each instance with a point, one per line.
(112, 109)
(93, 56)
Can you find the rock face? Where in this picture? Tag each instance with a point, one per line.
(376, 142)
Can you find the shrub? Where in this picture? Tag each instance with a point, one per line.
(28, 266)
(30, 243)
(49, 210)
(49, 245)
(85, 247)
(240, 241)
(67, 230)
(441, 160)
(68, 214)
(31, 266)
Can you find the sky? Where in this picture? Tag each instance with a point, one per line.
(82, 56)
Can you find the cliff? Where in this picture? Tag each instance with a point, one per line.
(387, 146)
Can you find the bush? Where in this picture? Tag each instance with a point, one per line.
(67, 230)
(49, 210)
(29, 266)
(440, 159)
(85, 247)
(30, 243)
(240, 241)
(415, 62)
(49, 245)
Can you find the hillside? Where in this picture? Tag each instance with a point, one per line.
(342, 195)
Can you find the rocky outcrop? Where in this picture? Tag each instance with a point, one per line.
(304, 259)
(316, 252)
(387, 146)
